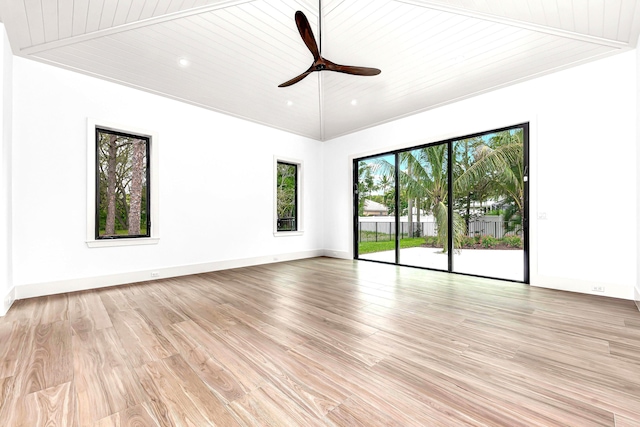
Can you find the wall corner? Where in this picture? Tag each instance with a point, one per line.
(7, 291)
(636, 290)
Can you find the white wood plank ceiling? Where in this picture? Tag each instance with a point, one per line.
(431, 52)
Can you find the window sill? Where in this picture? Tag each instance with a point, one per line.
(123, 242)
(287, 233)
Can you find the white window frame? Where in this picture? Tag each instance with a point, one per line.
(299, 196)
(154, 204)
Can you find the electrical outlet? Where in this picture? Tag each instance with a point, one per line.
(155, 274)
(598, 289)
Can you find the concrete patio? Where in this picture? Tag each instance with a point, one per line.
(497, 263)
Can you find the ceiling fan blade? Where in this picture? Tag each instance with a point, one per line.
(297, 79)
(348, 69)
(307, 35)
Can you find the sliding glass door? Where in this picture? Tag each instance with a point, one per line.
(423, 184)
(489, 203)
(375, 194)
(458, 205)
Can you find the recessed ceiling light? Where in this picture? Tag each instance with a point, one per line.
(184, 62)
(289, 103)
(354, 102)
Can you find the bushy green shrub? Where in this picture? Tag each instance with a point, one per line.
(489, 241)
(513, 241)
(468, 241)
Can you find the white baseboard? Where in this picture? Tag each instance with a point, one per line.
(636, 296)
(337, 254)
(73, 285)
(612, 290)
(7, 301)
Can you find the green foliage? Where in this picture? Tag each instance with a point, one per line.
(499, 163)
(513, 241)
(489, 242)
(468, 241)
(512, 219)
(485, 168)
(432, 241)
(484, 241)
(366, 184)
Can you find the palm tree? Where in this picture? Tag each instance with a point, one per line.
(498, 167)
(502, 160)
(423, 177)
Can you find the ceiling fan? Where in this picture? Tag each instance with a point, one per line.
(320, 63)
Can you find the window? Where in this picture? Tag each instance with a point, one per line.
(122, 186)
(288, 218)
(122, 190)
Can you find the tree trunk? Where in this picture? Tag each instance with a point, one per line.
(135, 197)
(111, 186)
(467, 218)
(410, 216)
(419, 225)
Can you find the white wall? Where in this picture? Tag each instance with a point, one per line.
(637, 287)
(583, 162)
(6, 285)
(216, 187)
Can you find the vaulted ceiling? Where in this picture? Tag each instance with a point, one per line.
(431, 52)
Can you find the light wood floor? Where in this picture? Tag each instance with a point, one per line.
(321, 342)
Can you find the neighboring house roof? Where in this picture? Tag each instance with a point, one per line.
(371, 206)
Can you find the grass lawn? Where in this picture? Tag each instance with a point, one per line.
(370, 247)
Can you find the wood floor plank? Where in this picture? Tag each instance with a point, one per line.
(136, 416)
(504, 389)
(518, 331)
(47, 359)
(380, 391)
(157, 309)
(244, 373)
(104, 383)
(188, 401)
(358, 412)
(284, 336)
(53, 308)
(214, 375)
(143, 341)
(8, 398)
(624, 351)
(313, 393)
(268, 406)
(626, 422)
(615, 401)
(12, 339)
(87, 312)
(321, 342)
(51, 407)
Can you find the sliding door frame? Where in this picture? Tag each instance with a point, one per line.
(449, 142)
